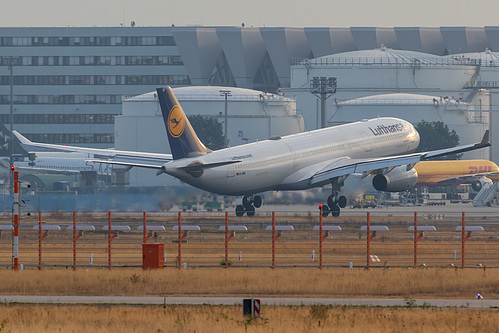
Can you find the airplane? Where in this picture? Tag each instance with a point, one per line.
(295, 162)
(476, 172)
(56, 162)
(432, 174)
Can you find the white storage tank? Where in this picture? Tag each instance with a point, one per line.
(378, 71)
(252, 116)
(469, 123)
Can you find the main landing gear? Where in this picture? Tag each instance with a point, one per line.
(249, 205)
(334, 203)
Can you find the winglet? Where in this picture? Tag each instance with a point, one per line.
(486, 138)
(21, 138)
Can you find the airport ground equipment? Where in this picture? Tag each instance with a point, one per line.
(418, 234)
(42, 226)
(368, 228)
(152, 255)
(251, 307)
(487, 193)
(112, 233)
(182, 233)
(275, 236)
(327, 229)
(228, 237)
(149, 231)
(465, 234)
(80, 228)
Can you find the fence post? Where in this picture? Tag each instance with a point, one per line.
(16, 207)
(144, 220)
(74, 241)
(40, 241)
(179, 239)
(273, 240)
(368, 239)
(320, 236)
(416, 239)
(463, 239)
(226, 240)
(109, 240)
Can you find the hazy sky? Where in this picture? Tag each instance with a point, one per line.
(290, 13)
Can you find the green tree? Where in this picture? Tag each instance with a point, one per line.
(209, 131)
(436, 135)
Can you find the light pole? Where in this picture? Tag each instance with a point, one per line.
(323, 87)
(226, 93)
(11, 136)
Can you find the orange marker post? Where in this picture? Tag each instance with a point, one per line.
(464, 238)
(321, 236)
(227, 239)
(417, 237)
(146, 237)
(40, 239)
(180, 239)
(75, 239)
(110, 238)
(369, 239)
(16, 207)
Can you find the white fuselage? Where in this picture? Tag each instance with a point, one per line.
(288, 163)
(61, 162)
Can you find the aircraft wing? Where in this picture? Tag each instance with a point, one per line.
(346, 166)
(470, 177)
(122, 157)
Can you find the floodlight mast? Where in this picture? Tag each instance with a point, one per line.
(323, 87)
(226, 93)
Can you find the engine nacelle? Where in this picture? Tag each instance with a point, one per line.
(397, 180)
(477, 185)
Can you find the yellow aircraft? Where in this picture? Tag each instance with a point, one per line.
(433, 173)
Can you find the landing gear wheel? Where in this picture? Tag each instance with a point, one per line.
(250, 211)
(246, 202)
(331, 200)
(335, 211)
(257, 201)
(342, 201)
(239, 210)
(325, 210)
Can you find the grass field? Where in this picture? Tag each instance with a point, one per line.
(393, 277)
(17, 318)
(263, 282)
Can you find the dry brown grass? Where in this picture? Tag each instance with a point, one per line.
(16, 318)
(263, 282)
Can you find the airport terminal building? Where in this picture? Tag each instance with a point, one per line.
(68, 83)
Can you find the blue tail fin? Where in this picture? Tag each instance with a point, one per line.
(183, 140)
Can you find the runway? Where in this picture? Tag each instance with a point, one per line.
(447, 211)
(357, 302)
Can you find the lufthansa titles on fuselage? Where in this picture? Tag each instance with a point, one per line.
(241, 157)
(387, 129)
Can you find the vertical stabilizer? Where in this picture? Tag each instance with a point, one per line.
(183, 140)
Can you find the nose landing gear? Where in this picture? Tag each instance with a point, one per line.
(248, 205)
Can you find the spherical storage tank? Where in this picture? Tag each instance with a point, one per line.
(379, 71)
(460, 116)
(252, 116)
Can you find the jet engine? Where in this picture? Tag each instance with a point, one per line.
(397, 180)
(477, 185)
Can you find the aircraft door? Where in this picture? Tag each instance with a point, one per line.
(366, 141)
(231, 171)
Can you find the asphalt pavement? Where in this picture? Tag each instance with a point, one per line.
(472, 303)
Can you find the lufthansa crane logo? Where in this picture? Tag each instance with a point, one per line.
(176, 122)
